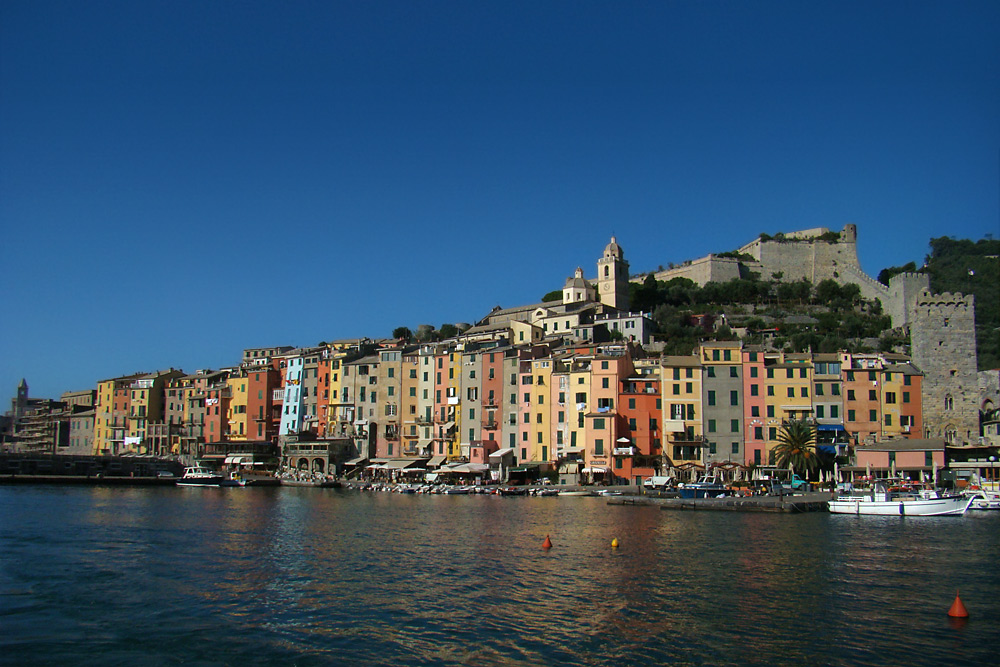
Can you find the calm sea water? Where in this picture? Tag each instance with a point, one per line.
(317, 576)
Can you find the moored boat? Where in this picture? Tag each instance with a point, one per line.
(200, 476)
(708, 486)
(983, 500)
(233, 479)
(883, 502)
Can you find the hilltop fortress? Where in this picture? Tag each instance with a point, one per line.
(814, 254)
(941, 326)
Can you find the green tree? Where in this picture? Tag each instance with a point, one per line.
(554, 295)
(796, 448)
(448, 330)
(402, 333)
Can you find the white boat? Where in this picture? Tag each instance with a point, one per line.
(199, 476)
(883, 502)
(983, 500)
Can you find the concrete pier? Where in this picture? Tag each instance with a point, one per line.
(807, 502)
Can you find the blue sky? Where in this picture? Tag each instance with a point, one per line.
(180, 180)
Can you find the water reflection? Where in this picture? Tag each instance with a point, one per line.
(311, 576)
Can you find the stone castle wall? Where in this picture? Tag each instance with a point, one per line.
(943, 346)
(807, 256)
(707, 269)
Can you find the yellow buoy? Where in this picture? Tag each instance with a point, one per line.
(614, 543)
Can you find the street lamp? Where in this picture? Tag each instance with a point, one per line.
(993, 477)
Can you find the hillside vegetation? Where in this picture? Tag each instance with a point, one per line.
(792, 316)
(826, 317)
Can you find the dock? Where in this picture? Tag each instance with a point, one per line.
(807, 502)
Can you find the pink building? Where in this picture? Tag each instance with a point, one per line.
(913, 459)
(754, 410)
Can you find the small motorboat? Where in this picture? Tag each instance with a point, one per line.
(233, 479)
(709, 486)
(200, 476)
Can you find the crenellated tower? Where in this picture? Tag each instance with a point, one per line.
(943, 346)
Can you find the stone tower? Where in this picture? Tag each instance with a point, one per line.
(19, 405)
(612, 277)
(943, 346)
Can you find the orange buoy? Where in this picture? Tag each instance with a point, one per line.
(957, 608)
(547, 544)
(614, 543)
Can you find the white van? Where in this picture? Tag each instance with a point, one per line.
(657, 482)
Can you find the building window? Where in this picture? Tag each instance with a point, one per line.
(711, 426)
(711, 397)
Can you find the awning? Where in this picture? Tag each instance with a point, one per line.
(466, 469)
(830, 427)
(399, 464)
(448, 426)
(595, 469)
(436, 461)
(238, 459)
(501, 452)
(357, 461)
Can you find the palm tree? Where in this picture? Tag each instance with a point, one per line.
(796, 448)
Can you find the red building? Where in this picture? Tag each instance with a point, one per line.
(637, 453)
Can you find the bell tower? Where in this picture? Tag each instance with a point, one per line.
(612, 277)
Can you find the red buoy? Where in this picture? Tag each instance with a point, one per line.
(957, 608)
(547, 544)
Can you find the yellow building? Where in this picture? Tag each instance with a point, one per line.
(237, 427)
(680, 387)
(537, 404)
(103, 416)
